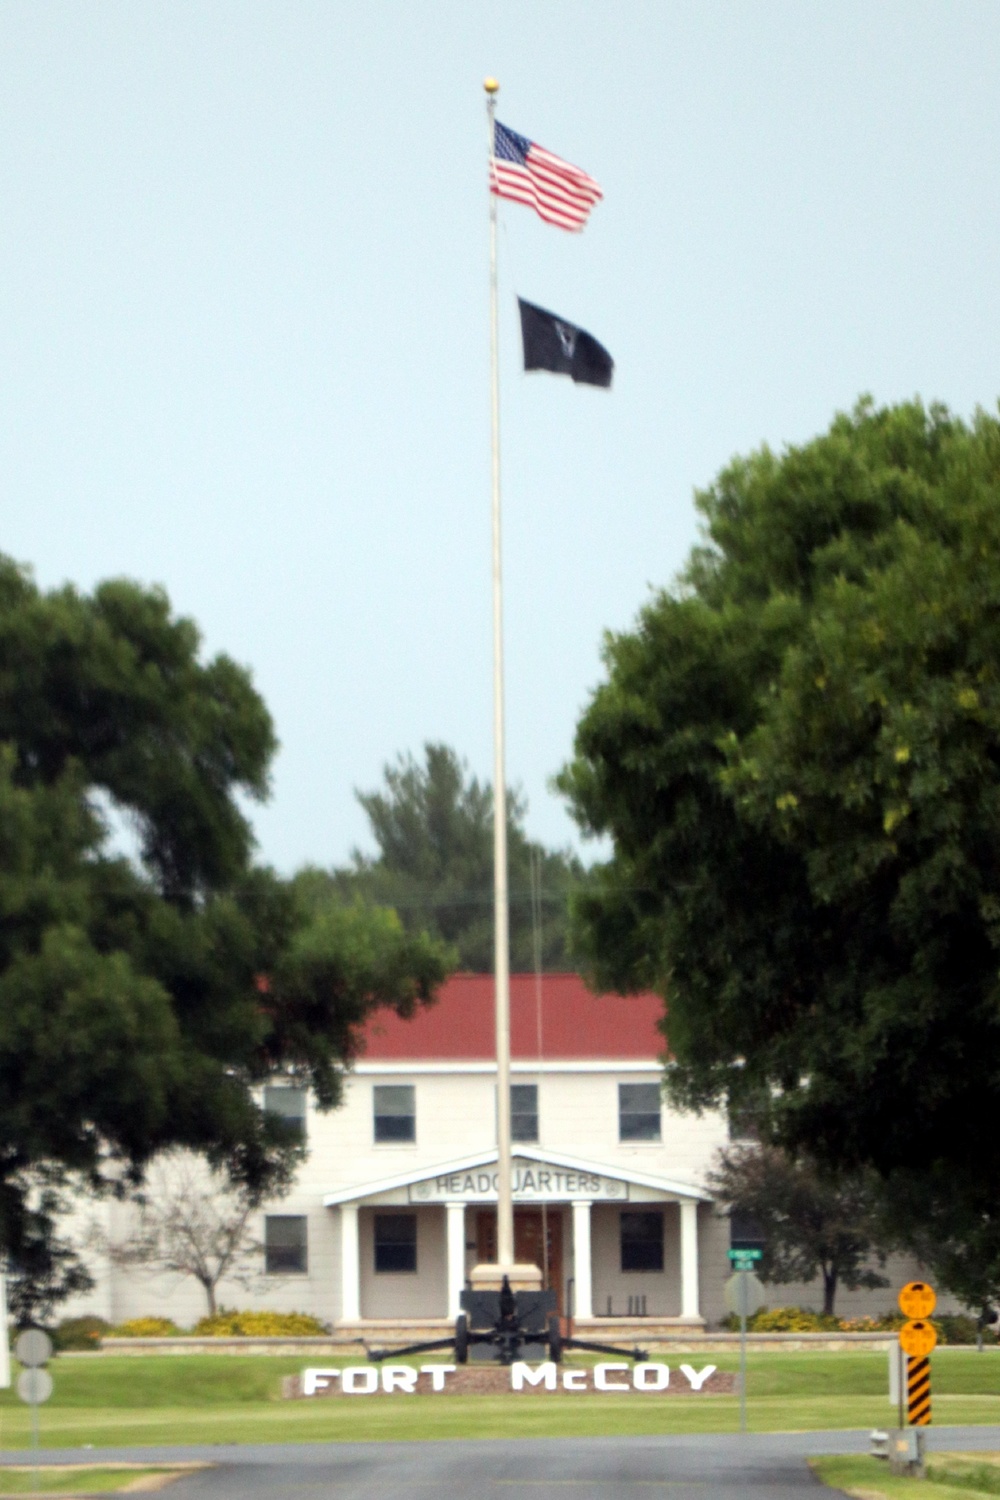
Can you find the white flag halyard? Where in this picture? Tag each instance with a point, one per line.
(525, 172)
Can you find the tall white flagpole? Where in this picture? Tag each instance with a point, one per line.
(501, 918)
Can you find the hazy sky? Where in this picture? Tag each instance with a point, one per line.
(243, 340)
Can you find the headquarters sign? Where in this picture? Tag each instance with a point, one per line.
(533, 1182)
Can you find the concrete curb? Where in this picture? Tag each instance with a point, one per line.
(649, 1337)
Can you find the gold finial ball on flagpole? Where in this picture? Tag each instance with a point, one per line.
(491, 85)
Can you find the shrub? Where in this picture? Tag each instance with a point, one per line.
(884, 1323)
(228, 1323)
(79, 1333)
(951, 1328)
(961, 1328)
(146, 1328)
(804, 1320)
(781, 1320)
(791, 1320)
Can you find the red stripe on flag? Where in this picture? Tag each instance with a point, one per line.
(520, 187)
(559, 193)
(523, 189)
(558, 187)
(576, 175)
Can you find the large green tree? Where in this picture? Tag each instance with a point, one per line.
(797, 756)
(142, 999)
(813, 1224)
(432, 823)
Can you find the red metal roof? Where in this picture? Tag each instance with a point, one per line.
(576, 1024)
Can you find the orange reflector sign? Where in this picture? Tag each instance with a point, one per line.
(917, 1300)
(917, 1338)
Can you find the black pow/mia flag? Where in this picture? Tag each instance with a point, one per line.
(550, 343)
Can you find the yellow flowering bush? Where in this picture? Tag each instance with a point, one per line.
(888, 1323)
(145, 1328)
(950, 1328)
(229, 1323)
(791, 1320)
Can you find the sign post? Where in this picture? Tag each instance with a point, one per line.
(745, 1296)
(34, 1384)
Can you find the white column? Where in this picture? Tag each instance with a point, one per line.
(456, 1256)
(583, 1283)
(689, 1258)
(350, 1265)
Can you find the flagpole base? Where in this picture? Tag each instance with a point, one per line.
(520, 1277)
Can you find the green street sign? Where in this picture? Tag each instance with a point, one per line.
(741, 1258)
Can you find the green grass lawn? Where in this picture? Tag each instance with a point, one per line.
(953, 1476)
(78, 1481)
(205, 1398)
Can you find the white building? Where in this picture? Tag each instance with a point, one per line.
(396, 1200)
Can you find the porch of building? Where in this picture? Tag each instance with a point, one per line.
(618, 1247)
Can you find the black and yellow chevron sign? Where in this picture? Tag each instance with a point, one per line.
(918, 1391)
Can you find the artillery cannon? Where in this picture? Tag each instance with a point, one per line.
(508, 1322)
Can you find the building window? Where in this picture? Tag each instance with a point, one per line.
(642, 1242)
(742, 1118)
(745, 1232)
(742, 1124)
(285, 1243)
(524, 1112)
(289, 1105)
(395, 1242)
(639, 1111)
(395, 1112)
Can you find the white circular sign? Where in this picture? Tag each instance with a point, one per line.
(744, 1294)
(33, 1347)
(34, 1386)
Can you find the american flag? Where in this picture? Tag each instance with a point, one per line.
(559, 193)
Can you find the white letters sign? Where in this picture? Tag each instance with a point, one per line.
(365, 1380)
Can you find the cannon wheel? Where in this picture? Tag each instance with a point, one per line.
(555, 1339)
(461, 1339)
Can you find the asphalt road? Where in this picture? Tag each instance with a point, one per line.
(718, 1467)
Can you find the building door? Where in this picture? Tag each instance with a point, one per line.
(529, 1245)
